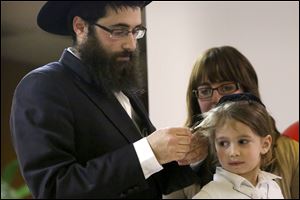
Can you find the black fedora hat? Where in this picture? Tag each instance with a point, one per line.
(53, 16)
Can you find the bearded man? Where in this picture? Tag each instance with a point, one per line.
(78, 126)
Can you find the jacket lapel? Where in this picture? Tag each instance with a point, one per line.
(146, 125)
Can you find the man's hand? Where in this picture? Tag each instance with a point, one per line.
(198, 150)
(170, 144)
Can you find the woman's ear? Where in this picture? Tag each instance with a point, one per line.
(266, 144)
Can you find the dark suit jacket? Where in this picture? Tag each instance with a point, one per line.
(74, 142)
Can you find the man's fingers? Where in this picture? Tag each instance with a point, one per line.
(184, 140)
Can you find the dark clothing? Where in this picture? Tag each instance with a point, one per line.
(72, 141)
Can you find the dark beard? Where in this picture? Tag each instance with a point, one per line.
(108, 74)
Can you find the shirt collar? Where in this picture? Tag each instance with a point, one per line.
(73, 51)
(237, 180)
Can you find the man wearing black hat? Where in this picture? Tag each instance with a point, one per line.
(78, 127)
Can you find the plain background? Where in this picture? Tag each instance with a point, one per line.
(267, 33)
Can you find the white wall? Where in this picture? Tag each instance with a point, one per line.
(267, 33)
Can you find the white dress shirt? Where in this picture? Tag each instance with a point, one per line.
(147, 159)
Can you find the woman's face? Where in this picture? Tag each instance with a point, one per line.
(219, 90)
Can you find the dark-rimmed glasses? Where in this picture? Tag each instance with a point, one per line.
(206, 92)
(119, 33)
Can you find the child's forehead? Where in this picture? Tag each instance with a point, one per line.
(234, 128)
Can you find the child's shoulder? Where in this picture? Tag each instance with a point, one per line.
(214, 190)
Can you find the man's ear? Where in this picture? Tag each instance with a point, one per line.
(266, 144)
(80, 27)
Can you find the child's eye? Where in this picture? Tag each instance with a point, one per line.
(243, 141)
(223, 143)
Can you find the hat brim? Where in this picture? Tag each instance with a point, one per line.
(53, 16)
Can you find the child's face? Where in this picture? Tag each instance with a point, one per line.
(239, 149)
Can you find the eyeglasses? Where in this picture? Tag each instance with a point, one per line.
(206, 92)
(119, 33)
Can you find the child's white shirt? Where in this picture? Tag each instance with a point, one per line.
(227, 185)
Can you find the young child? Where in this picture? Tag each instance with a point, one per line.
(240, 131)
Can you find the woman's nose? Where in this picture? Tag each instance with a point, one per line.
(215, 97)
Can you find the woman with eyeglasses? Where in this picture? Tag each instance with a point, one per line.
(222, 71)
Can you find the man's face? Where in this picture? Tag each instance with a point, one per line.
(125, 18)
(113, 61)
